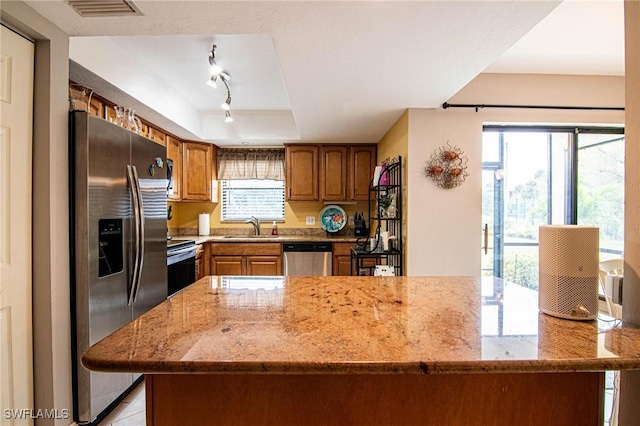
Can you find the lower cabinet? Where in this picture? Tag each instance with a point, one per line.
(246, 259)
(341, 262)
(200, 268)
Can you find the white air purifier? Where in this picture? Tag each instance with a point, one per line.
(568, 272)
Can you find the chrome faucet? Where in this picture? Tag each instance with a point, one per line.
(256, 224)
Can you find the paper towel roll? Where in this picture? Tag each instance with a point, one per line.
(203, 224)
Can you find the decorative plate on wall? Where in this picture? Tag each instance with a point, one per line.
(333, 218)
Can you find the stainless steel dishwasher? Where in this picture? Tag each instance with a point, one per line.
(307, 259)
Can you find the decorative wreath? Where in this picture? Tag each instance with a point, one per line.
(447, 167)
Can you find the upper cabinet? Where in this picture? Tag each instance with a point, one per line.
(174, 152)
(332, 173)
(197, 172)
(156, 135)
(362, 163)
(302, 172)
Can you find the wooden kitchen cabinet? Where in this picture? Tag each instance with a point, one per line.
(157, 136)
(197, 171)
(200, 266)
(263, 265)
(174, 152)
(341, 262)
(227, 265)
(246, 259)
(333, 172)
(96, 107)
(362, 163)
(344, 172)
(302, 172)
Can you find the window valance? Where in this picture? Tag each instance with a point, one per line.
(239, 164)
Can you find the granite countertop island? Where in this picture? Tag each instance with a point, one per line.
(361, 342)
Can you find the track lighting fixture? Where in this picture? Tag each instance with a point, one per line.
(226, 105)
(215, 68)
(217, 73)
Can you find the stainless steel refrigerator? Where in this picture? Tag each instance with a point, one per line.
(118, 185)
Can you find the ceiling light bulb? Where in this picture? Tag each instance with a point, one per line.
(227, 117)
(212, 81)
(215, 69)
(225, 106)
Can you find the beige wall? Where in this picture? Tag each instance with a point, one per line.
(51, 312)
(396, 141)
(445, 225)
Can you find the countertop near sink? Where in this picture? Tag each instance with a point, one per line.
(200, 239)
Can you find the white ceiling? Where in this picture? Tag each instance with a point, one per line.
(323, 71)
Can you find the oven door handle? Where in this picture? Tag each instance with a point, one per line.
(184, 250)
(181, 255)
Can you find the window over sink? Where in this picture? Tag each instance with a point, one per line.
(252, 184)
(262, 198)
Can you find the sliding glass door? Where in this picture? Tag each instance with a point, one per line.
(600, 189)
(538, 176)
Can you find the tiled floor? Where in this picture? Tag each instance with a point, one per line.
(130, 412)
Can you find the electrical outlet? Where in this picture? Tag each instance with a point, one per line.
(311, 220)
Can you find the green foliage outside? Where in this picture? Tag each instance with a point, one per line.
(600, 203)
(521, 267)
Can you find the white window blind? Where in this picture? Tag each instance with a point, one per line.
(262, 198)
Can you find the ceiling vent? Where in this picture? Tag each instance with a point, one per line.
(99, 8)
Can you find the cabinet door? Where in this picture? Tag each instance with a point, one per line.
(363, 160)
(196, 171)
(199, 269)
(263, 265)
(96, 107)
(174, 152)
(157, 136)
(302, 172)
(342, 266)
(226, 265)
(333, 173)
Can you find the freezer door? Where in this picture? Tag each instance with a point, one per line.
(101, 152)
(149, 160)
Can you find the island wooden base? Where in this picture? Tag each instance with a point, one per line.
(445, 399)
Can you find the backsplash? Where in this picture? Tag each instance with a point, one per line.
(185, 219)
(265, 229)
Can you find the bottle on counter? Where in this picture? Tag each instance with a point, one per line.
(274, 228)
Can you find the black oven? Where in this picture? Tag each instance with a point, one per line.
(181, 265)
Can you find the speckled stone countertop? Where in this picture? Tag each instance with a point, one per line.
(388, 325)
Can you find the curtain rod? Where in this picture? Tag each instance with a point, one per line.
(478, 106)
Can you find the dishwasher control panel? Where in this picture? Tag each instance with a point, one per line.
(308, 246)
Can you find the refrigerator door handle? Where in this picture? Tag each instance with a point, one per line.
(141, 233)
(136, 241)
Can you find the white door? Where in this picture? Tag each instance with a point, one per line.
(16, 112)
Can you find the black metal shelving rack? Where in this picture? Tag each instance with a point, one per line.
(364, 258)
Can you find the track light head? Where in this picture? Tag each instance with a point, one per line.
(212, 81)
(227, 117)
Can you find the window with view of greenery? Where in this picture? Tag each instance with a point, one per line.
(534, 177)
(262, 198)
